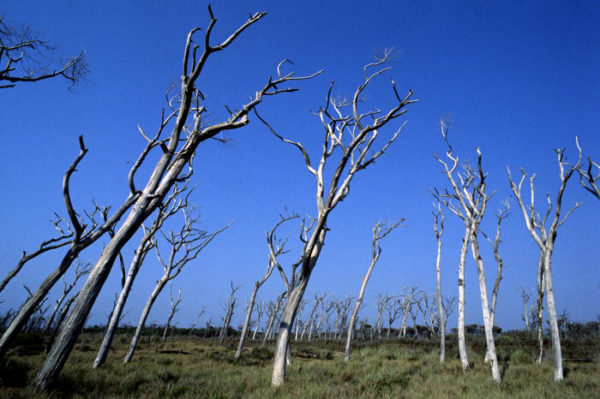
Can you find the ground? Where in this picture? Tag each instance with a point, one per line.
(190, 367)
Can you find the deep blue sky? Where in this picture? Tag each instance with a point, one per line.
(517, 79)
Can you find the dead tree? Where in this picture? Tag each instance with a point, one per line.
(319, 302)
(185, 245)
(172, 205)
(37, 319)
(300, 309)
(381, 304)
(83, 235)
(468, 200)
(428, 309)
(525, 298)
(26, 58)
(64, 238)
(195, 323)
(178, 150)
(276, 248)
(229, 309)
(448, 307)
(273, 310)
(174, 310)
(394, 309)
(260, 309)
(545, 236)
(380, 230)
(310, 320)
(341, 307)
(500, 215)
(589, 176)
(80, 271)
(438, 228)
(326, 307)
(407, 300)
(349, 133)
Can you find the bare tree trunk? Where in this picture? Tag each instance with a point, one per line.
(113, 322)
(525, 297)
(310, 321)
(174, 309)
(544, 238)
(138, 331)
(552, 319)
(487, 320)
(240, 347)
(260, 312)
(462, 346)
(274, 311)
(355, 155)
(61, 317)
(379, 232)
(501, 215)
(282, 344)
(228, 315)
(541, 287)
(438, 227)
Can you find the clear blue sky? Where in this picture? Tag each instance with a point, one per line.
(518, 79)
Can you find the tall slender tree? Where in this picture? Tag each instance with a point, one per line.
(468, 200)
(380, 230)
(438, 228)
(349, 135)
(545, 236)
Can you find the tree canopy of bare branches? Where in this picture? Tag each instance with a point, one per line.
(349, 134)
(24, 57)
(545, 236)
(468, 200)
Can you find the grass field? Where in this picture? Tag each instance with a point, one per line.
(196, 368)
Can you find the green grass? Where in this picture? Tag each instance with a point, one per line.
(189, 368)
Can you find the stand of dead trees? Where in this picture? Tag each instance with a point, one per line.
(177, 151)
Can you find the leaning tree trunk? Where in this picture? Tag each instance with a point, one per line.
(487, 320)
(143, 317)
(462, 346)
(34, 300)
(552, 319)
(238, 353)
(283, 338)
(113, 323)
(309, 320)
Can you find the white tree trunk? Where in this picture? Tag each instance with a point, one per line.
(541, 287)
(487, 320)
(113, 323)
(438, 294)
(138, 331)
(357, 305)
(287, 320)
(240, 347)
(552, 319)
(462, 346)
